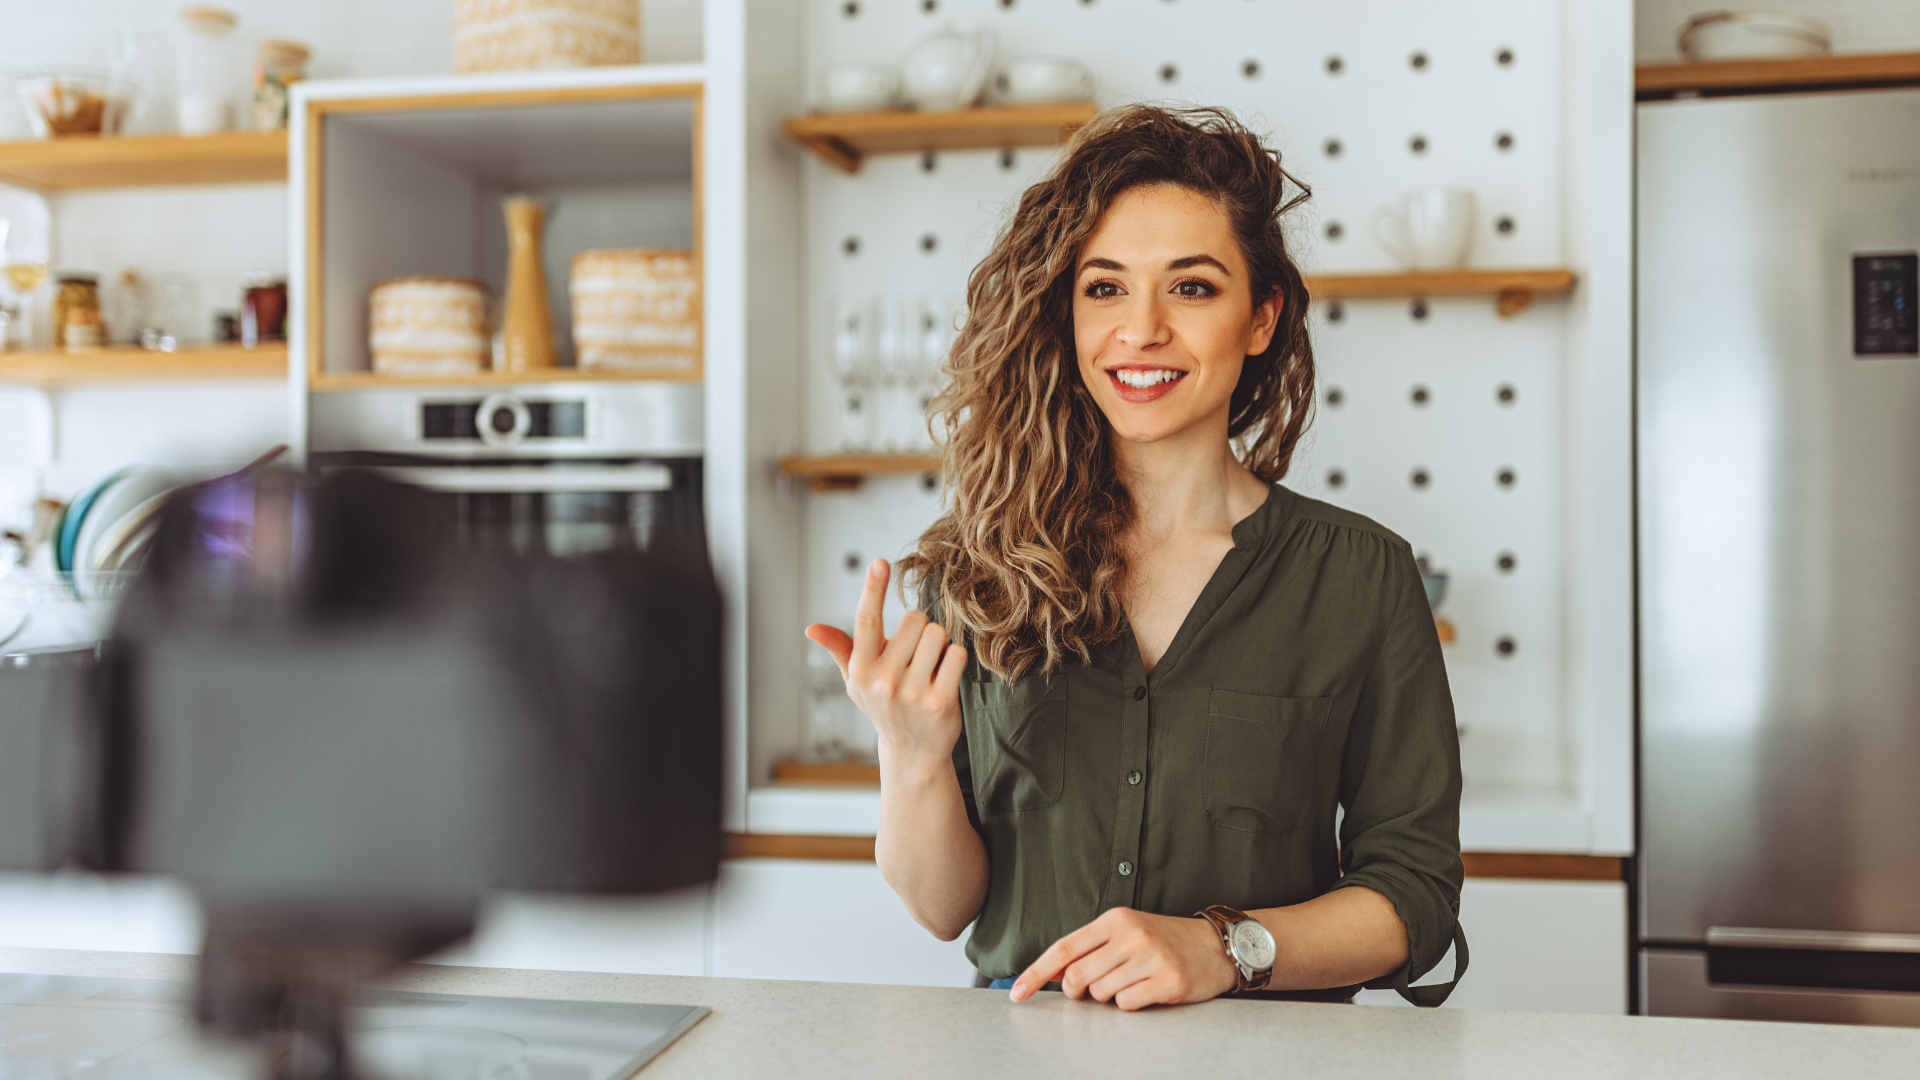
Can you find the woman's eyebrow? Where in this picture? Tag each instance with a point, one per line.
(1100, 264)
(1199, 260)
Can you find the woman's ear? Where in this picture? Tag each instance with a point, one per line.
(1266, 318)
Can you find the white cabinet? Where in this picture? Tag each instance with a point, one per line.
(1538, 946)
(832, 921)
(650, 935)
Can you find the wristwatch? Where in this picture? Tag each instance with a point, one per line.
(1249, 945)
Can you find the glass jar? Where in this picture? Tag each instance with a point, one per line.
(209, 70)
(76, 312)
(263, 311)
(278, 64)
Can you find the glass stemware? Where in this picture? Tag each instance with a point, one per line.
(852, 365)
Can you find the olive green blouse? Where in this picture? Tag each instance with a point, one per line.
(1307, 679)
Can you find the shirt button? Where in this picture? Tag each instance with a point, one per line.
(1126, 868)
(1139, 692)
(1133, 777)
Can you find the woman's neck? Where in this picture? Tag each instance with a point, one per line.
(1185, 483)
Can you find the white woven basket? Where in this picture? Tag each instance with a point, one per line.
(636, 309)
(429, 326)
(520, 35)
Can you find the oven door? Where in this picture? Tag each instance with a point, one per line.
(557, 507)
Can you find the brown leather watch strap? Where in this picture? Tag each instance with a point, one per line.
(1223, 917)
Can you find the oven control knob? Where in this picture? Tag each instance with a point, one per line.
(503, 420)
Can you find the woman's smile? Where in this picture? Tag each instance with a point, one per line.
(1140, 384)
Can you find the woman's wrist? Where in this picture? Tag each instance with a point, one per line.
(913, 768)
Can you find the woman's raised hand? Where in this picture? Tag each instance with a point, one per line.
(908, 686)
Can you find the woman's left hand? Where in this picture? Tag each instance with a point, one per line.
(1134, 959)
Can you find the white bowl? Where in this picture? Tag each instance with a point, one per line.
(1752, 35)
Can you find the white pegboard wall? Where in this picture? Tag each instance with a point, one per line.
(1364, 103)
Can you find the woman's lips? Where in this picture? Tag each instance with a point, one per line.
(1141, 395)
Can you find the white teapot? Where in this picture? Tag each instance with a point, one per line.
(948, 69)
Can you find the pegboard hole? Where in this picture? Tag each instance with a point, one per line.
(1503, 57)
(1169, 73)
(1336, 479)
(1007, 159)
(1506, 646)
(1506, 562)
(1332, 148)
(1336, 397)
(1336, 311)
(1418, 309)
(850, 9)
(1505, 393)
(1503, 141)
(1335, 231)
(929, 161)
(1506, 477)
(1250, 69)
(1504, 225)
(1417, 61)
(1417, 144)
(851, 562)
(1420, 478)
(929, 6)
(1335, 65)
(929, 243)
(850, 246)
(1420, 396)
(1008, 4)
(930, 482)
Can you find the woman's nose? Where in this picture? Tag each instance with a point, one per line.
(1143, 323)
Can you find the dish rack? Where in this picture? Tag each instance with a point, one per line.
(39, 611)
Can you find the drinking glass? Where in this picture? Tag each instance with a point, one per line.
(822, 739)
(25, 263)
(852, 366)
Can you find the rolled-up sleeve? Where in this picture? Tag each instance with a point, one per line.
(1400, 787)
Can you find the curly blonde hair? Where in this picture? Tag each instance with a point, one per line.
(1027, 564)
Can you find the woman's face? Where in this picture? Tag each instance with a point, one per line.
(1164, 315)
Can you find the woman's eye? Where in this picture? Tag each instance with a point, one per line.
(1194, 288)
(1102, 290)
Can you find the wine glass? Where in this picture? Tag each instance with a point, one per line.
(897, 356)
(25, 262)
(826, 689)
(852, 366)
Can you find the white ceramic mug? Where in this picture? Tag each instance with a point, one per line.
(1043, 80)
(858, 87)
(1427, 230)
(948, 69)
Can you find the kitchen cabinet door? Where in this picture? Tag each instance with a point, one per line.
(1538, 946)
(831, 921)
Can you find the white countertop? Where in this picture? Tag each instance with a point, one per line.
(799, 1030)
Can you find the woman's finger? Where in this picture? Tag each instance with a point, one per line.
(835, 641)
(906, 640)
(1128, 972)
(1050, 964)
(953, 665)
(1083, 974)
(927, 653)
(869, 626)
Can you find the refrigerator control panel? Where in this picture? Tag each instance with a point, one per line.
(1884, 294)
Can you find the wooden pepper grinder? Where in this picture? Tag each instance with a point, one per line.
(526, 330)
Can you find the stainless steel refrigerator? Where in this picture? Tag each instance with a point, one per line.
(1778, 462)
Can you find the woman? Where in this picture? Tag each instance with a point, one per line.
(1176, 672)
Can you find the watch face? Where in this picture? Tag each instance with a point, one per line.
(1253, 945)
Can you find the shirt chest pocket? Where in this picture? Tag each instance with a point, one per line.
(1262, 756)
(1017, 740)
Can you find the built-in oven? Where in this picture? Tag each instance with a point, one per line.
(561, 468)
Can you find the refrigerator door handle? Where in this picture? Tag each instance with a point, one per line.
(1749, 937)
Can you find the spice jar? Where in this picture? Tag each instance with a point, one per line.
(263, 312)
(278, 64)
(78, 293)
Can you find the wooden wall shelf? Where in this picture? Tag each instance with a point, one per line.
(843, 139)
(847, 472)
(144, 160)
(1657, 82)
(1500, 864)
(50, 368)
(827, 774)
(1512, 290)
(367, 380)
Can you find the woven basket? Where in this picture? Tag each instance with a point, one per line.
(636, 309)
(519, 35)
(429, 326)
